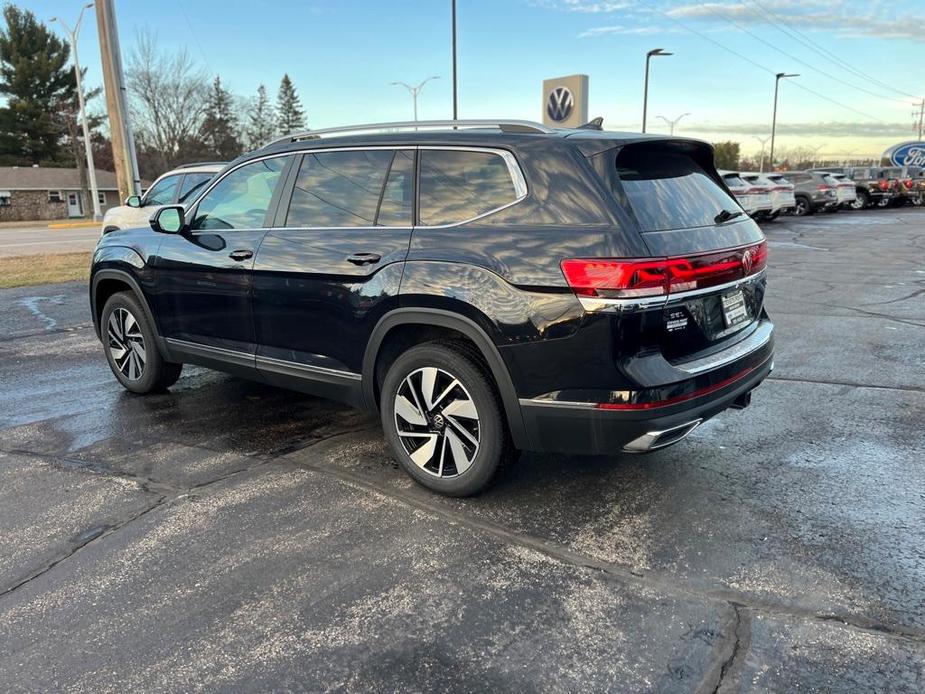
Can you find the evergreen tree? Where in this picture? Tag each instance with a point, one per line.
(220, 124)
(36, 80)
(261, 123)
(290, 116)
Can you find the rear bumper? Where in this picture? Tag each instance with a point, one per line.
(576, 422)
(580, 430)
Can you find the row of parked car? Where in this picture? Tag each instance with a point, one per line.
(765, 196)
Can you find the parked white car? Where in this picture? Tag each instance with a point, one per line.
(844, 189)
(782, 198)
(755, 199)
(179, 186)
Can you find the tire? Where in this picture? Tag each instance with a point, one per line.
(455, 454)
(917, 200)
(131, 349)
(883, 203)
(862, 201)
(773, 215)
(803, 207)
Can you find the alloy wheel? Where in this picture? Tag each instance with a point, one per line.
(437, 422)
(126, 344)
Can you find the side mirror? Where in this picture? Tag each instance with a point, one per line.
(133, 201)
(168, 220)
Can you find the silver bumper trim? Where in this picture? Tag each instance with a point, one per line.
(742, 348)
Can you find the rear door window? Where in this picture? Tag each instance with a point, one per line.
(667, 190)
(458, 185)
(344, 189)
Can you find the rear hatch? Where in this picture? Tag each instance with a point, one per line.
(703, 285)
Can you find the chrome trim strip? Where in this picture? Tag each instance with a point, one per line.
(308, 368)
(239, 356)
(513, 167)
(595, 304)
(758, 339)
(540, 402)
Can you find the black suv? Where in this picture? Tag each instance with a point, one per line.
(488, 287)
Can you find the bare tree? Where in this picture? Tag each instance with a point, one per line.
(169, 96)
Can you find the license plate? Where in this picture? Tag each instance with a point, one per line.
(734, 309)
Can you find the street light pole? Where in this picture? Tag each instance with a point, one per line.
(91, 170)
(764, 142)
(455, 112)
(645, 87)
(777, 79)
(672, 123)
(815, 151)
(415, 90)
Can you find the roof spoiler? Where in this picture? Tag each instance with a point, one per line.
(594, 124)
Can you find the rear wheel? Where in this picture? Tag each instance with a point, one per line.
(442, 416)
(773, 215)
(131, 351)
(802, 207)
(862, 200)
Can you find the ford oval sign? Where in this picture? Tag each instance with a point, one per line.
(907, 154)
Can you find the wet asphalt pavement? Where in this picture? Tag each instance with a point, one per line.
(230, 535)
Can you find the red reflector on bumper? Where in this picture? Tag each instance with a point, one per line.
(700, 392)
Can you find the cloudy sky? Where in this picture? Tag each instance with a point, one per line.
(860, 61)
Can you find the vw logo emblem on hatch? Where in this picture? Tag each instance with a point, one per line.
(747, 261)
(559, 104)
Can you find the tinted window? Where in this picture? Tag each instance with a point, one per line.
(458, 185)
(193, 183)
(241, 199)
(339, 189)
(397, 201)
(670, 191)
(163, 192)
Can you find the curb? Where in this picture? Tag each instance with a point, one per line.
(74, 225)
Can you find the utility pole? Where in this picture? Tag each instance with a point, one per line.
(455, 103)
(672, 123)
(123, 144)
(921, 117)
(763, 141)
(414, 91)
(88, 146)
(645, 86)
(777, 79)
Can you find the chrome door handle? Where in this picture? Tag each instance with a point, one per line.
(241, 255)
(364, 258)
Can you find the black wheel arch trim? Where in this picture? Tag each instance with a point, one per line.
(469, 328)
(122, 276)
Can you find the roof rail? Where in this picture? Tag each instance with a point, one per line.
(505, 126)
(200, 163)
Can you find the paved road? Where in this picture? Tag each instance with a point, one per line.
(32, 240)
(231, 535)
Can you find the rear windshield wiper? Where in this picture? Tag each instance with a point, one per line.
(726, 215)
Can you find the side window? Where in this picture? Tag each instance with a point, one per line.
(341, 189)
(163, 192)
(241, 199)
(457, 185)
(193, 183)
(397, 204)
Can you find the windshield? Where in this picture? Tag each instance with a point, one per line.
(668, 190)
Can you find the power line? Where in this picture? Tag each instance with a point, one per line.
(757, 64)
(799, 60)
(797, 35)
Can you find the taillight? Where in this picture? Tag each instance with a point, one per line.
(756, 191)
(822, 186)
(624, 279)
(884, 185)
(908, 182)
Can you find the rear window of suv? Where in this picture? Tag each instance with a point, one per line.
(456, 185)
(666, 190)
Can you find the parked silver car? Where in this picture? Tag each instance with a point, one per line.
(179, 186)
(754, 198)
(782, 199)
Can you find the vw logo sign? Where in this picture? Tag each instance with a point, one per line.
(559, 104)
(909, 154)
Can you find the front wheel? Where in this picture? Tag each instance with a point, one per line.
(131, 351)
(443, 418)
(861, 201)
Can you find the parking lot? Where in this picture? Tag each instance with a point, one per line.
(229, 535)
